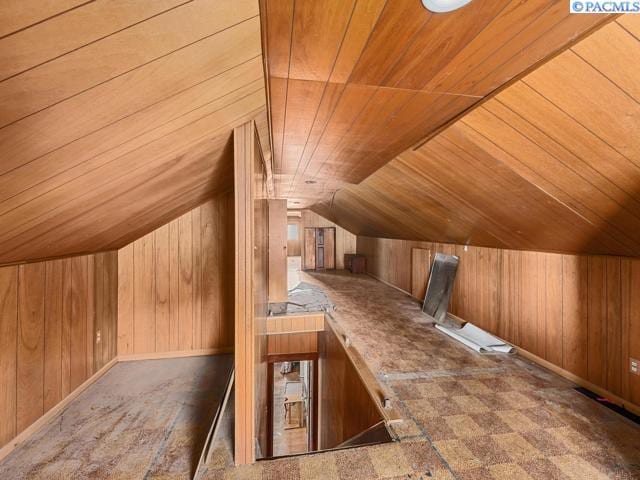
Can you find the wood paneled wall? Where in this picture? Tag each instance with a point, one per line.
(580, 313)
(176, 284)
(288, 343)
(345, 240)
(345, 407)
(50, 316)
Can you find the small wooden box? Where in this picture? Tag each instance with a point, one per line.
(355, 263)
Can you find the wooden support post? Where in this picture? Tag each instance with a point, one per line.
(243, 140)
(277, 251)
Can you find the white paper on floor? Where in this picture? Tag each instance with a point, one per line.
(477, 339)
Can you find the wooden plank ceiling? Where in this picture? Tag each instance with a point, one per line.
(550, 163)
(116, 116)
(354, 83)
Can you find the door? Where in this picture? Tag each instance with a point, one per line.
(309, 249)
(329, 247)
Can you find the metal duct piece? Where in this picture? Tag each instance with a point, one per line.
(440, 286)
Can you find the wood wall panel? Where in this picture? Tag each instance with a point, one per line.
(286, 343)
(8, 352)
(577, 312)
(420, 264)
(597, 319)
(174, 291)
(574, 312)
(31, 322)
(50, 314)
(53, 333)
(185, 287)
(349, 409)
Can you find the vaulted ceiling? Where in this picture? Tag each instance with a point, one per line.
(550, 163)
(116, 116)
(353, 83)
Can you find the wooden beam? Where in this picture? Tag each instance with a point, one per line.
(277, 251)
(243, 143)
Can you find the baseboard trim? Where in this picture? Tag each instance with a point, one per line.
(178, 354)
(581, 382)
(35, 426)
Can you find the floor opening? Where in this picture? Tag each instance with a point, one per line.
(292, 412)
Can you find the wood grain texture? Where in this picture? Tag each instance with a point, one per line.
(30, 358)
(251, 247)
(49, 313)
(8, 352)
(286, 343)
(19, 14)
(329, 236)
(420, 268)
(353, 84)
(345, 411)
(156, 142)
(345, 242)
(577, 312)
(53, 334)
(278, 251)
(173, 284)
(545, 165)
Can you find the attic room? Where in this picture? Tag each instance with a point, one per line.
(319, 239)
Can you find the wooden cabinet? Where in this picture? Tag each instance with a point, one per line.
(319, 248)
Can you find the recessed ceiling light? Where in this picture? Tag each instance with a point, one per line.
(310, 182)
(442, 6)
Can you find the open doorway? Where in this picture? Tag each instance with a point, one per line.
(292, 406)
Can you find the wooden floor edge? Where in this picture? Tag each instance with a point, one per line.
(581, 382)
(35, 426)
(177, 354)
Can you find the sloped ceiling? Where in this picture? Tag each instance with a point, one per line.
(550, 163)
(353, 83)
(116, 116)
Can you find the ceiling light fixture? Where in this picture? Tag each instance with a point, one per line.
(442, 6)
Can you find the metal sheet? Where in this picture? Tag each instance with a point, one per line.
(440, 286)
